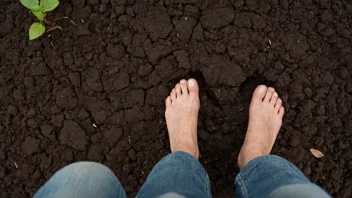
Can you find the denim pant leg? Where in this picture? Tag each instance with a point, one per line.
(177, 175)
(273, 176)
(82, 180)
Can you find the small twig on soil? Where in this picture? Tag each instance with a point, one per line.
(52, 44)
(82, 21)
(270, 42)
(15, 164)
(240, 109)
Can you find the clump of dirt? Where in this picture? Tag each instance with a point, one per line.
(96, 91)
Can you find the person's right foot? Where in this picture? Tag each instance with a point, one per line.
(182, 117)
(265, 119)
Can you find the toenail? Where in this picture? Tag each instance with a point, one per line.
(191, 83)
(183, 81)
(275, 94)
(261, 89)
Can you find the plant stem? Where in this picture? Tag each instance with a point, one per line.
(65, 17)
(53, 28)
(46, 21)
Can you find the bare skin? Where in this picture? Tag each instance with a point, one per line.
(265, 120)
(182, 116)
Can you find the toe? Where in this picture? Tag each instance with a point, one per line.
(183, 84)
(173, 95)
(178, 90)
(193, 87)
(278, 104)
(269, 94)
(274, 98)
(282, 111)
(259, 93)
(168, 102)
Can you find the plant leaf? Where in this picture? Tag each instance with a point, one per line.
(48, 5)
(316, 153)
(39, 15)
(30, 4)
(36, 30)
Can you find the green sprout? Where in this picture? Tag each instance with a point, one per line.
(40, 8)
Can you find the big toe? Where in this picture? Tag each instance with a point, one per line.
(193, 87)
(259, 93)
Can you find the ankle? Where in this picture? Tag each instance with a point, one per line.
(248, 153)
(190, 148)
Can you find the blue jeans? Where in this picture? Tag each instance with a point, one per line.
(180, 175)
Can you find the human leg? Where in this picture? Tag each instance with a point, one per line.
(180, 174)
(264, 175)
(82, 180)
(273, 176)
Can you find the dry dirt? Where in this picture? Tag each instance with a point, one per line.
(96, 92)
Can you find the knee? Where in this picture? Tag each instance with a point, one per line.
(299, 190)
(86, 168)
(87, 178)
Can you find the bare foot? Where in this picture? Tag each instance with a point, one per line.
(265, 120)
(182, 116)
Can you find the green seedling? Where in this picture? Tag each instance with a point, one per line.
(40, 8)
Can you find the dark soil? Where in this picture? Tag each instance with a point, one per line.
(96, 92)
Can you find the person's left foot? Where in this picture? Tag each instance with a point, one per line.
(182, 116)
